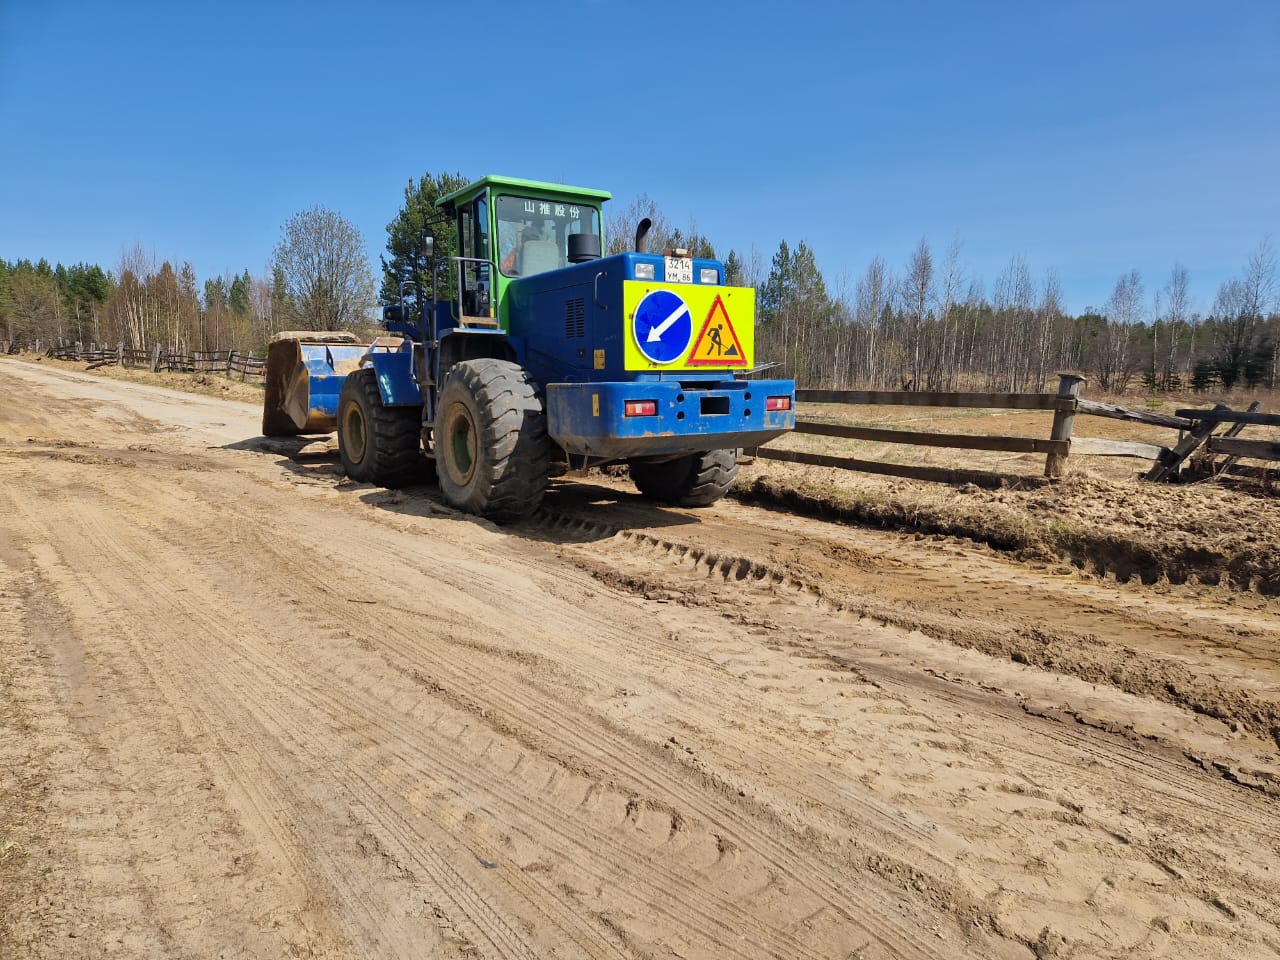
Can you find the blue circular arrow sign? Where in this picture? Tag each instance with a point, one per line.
(662, 326)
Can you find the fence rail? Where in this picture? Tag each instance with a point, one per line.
(906, 398)
(1196, 427)
(1195, 431)
(1252, 449)
(247, 365)
(230, 363)
(962, 441)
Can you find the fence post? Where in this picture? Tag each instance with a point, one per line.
(155, 357)
(120, 354)
(1063, 421)
(231, 356)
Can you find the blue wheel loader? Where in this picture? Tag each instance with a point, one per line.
(529, 355)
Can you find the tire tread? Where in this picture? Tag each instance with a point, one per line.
(514, 449)
(697, 480)
(394, 450)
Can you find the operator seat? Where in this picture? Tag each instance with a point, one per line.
(538, 256)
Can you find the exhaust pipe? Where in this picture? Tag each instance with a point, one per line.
(642, 231)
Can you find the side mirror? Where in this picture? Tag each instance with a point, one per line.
(427, 246)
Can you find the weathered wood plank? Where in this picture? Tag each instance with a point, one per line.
(909, 398)
(1095, 408)
(933, 474)
(1064, 419)
(1232, 416)
(960, 441)
(1254, 449)
(1171, 463)
(1093, 447)
(1234, 430)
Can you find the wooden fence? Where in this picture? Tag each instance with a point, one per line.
(1195, 430)
(230, 363)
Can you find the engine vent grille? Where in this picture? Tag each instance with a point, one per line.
(575, 319)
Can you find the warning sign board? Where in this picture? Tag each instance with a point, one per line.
(718, 344)
(669, 327)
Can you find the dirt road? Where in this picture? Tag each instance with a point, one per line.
(248, 709)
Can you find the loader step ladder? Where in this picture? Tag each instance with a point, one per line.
(484, 271)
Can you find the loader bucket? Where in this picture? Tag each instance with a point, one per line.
(305, 371)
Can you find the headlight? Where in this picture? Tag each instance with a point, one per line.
(644, 271)
(708, 275)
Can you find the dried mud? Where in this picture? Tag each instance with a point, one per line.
(1131, 531)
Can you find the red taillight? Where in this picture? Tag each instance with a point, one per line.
(778, 403)
(641, 408)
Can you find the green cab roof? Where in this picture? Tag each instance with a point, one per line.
(538, 186)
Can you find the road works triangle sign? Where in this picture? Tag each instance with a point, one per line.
(718, 344)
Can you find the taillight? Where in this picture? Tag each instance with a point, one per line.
(641, 408)
(778, 403)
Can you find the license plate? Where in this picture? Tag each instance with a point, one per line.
(679, 269)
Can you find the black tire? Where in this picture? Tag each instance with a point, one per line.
(490, 440)
(697, 480)
(376, 443)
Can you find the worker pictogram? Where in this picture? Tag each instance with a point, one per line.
(662, 326)
(718, 344)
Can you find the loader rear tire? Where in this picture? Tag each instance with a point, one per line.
(376, 443)
(697, 480)
(490, 441)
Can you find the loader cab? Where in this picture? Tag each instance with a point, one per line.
(509, 229)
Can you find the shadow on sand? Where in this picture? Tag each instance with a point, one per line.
(575, 509)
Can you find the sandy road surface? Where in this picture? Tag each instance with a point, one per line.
(250, 710)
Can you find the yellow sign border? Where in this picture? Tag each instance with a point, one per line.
(739, 305)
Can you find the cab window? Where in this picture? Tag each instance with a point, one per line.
(533, 235)
(473, 227)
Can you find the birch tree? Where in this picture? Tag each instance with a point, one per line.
(324, 269)
(873, 299)
(1170, 324)
(918, 295)
(1124, 313)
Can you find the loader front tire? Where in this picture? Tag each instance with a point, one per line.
(376, 443)
(490, 440)
(697, 480)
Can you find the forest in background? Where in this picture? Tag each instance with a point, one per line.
(926, 325)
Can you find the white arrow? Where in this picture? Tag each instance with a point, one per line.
(656, 333)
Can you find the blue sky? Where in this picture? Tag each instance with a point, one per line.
(1092, 138)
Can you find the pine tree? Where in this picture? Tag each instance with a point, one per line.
(405, 232)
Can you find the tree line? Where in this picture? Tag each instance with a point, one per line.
(933, 327)
(929, 325)
(139, 303)
(318, 279)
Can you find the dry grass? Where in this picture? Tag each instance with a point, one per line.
(1101, 516)
(1125, 528)
(205, 384)
(1012, 423)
